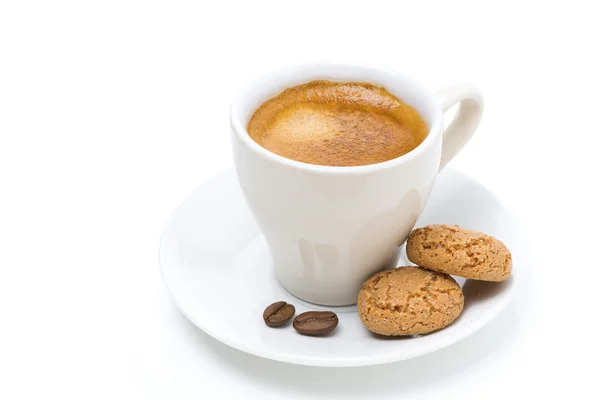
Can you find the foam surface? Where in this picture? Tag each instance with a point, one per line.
(337, 124)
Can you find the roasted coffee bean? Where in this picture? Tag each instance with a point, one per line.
(315, 323)
(278, 313)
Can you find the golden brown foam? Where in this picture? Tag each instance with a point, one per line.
(338, 124)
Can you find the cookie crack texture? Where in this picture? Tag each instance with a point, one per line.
(409, 301)
(457, 251)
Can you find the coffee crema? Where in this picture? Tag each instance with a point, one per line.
(337, 124)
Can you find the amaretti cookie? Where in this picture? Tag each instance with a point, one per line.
(409, 301)
(461, 252)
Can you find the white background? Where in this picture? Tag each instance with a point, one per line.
(111, 112)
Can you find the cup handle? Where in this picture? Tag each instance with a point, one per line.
(466, 120)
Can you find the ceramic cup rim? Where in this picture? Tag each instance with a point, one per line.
(322, 70)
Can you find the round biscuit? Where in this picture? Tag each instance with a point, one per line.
(409, 301)
(462, 252)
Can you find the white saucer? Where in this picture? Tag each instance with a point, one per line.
(218, 270)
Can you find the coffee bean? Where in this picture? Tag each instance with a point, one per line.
(315, 323)
(278, 313)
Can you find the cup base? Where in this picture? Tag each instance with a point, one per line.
(322, 300)
(323, 292)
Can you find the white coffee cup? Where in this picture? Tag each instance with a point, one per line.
(330, 228)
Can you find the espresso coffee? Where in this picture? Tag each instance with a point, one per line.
(337, 124)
